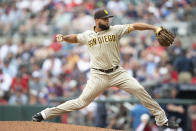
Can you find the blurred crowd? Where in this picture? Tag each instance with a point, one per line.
(47, 17)
(36, 72)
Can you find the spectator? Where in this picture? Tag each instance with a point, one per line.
(37, 89)
(89, 113)
(19, 81)
(83, 63)
(117, 7)
(72, 89)
(192, 56)
(101, 112)
(7, 48)
(175, 50)
(184, 67)
(192, 114)
(131, 12)
(18, 98)
(53, 65)
(168, 74)
(2, 100)
(113, 124)
(136, 114)
(144, 125)
(58, 87)
(5, 81)
(55, 46)
(85, 20)
(176, 112)
(10, 67)
(62, 20)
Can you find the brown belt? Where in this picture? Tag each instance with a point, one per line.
(107, 71)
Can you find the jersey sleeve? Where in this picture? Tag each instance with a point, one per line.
(81, 38)
(123, 29)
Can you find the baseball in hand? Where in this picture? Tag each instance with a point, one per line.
(59, 38)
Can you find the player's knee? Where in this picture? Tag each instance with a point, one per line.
(82, 103)
(140, 89)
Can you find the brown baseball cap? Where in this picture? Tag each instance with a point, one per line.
(101, 13)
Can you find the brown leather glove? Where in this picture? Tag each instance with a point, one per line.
(164, 36)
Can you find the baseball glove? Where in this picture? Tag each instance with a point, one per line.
(164, 37)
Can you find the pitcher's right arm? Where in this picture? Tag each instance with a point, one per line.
(67, 38)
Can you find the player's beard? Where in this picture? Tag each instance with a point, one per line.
(103, 27)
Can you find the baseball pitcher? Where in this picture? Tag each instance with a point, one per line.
(103, 45)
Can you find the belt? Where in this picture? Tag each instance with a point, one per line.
(107, 71)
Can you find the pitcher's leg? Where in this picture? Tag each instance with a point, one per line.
(151, 105)
(132, 86)
(93, 88)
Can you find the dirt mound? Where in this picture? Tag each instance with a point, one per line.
(44, 126)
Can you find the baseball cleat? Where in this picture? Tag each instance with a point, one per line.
(37, 117)
(171, 125)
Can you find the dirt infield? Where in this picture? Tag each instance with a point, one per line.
(44, 126)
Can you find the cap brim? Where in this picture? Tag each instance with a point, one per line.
(109, 16)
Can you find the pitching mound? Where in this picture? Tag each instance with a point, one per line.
(44, 126)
